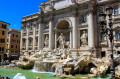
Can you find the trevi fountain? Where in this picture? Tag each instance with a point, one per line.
(64, 37)
(63, 64)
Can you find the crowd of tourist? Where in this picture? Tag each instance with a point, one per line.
(4, 77)
(9, 78)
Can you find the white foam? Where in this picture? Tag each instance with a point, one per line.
(33, 70)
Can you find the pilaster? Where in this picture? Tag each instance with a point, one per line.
(91, 38)
(40, 36)
(75, 31)
(27, 40)
(34, 34)
(51, 34)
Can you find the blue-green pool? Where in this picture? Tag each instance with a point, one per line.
(32, 75)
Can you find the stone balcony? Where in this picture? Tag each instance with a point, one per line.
(103, 43)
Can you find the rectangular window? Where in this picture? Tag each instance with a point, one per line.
(2, 40)
(30, 42)
(83, 18)
(118, 35)
(16, 35)
(24, 27)
(31, 27)
(102, 36)
(3, 26)
(116, 11)
(11, 46)
(13, 35)
(1, 48)
(3, 32)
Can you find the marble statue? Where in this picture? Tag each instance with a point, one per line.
(46, 42)
(84, 37)
(61, 39)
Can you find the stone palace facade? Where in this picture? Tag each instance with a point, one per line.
(70, 24)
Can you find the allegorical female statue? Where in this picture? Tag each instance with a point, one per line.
(46, 42)
(61, 39)
(83, 38)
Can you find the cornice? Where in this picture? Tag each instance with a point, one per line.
(29, 20)
(108, 3)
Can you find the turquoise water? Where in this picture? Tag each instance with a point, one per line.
(107, 76)
(29, 74)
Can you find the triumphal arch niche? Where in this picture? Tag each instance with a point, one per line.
(61, 24)
(62, 32)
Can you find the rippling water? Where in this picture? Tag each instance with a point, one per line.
(32, 74)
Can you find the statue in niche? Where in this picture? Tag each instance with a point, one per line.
(61, 39)
(46, 42)
(84, 37)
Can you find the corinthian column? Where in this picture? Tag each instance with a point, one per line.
(40, 36)
(75, 31)
(90, 29)
(51, 35)
(34, 34)
(28, 25)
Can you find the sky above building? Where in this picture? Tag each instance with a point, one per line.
(12, 11)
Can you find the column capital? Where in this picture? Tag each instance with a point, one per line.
(75, 14)
(40, 21)
(34, 23)
(91, 11)
(22, 25)
(51, 18)
(28, 24)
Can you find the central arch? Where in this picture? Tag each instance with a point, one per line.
(63, 26)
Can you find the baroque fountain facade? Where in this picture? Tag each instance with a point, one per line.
(64, 37)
